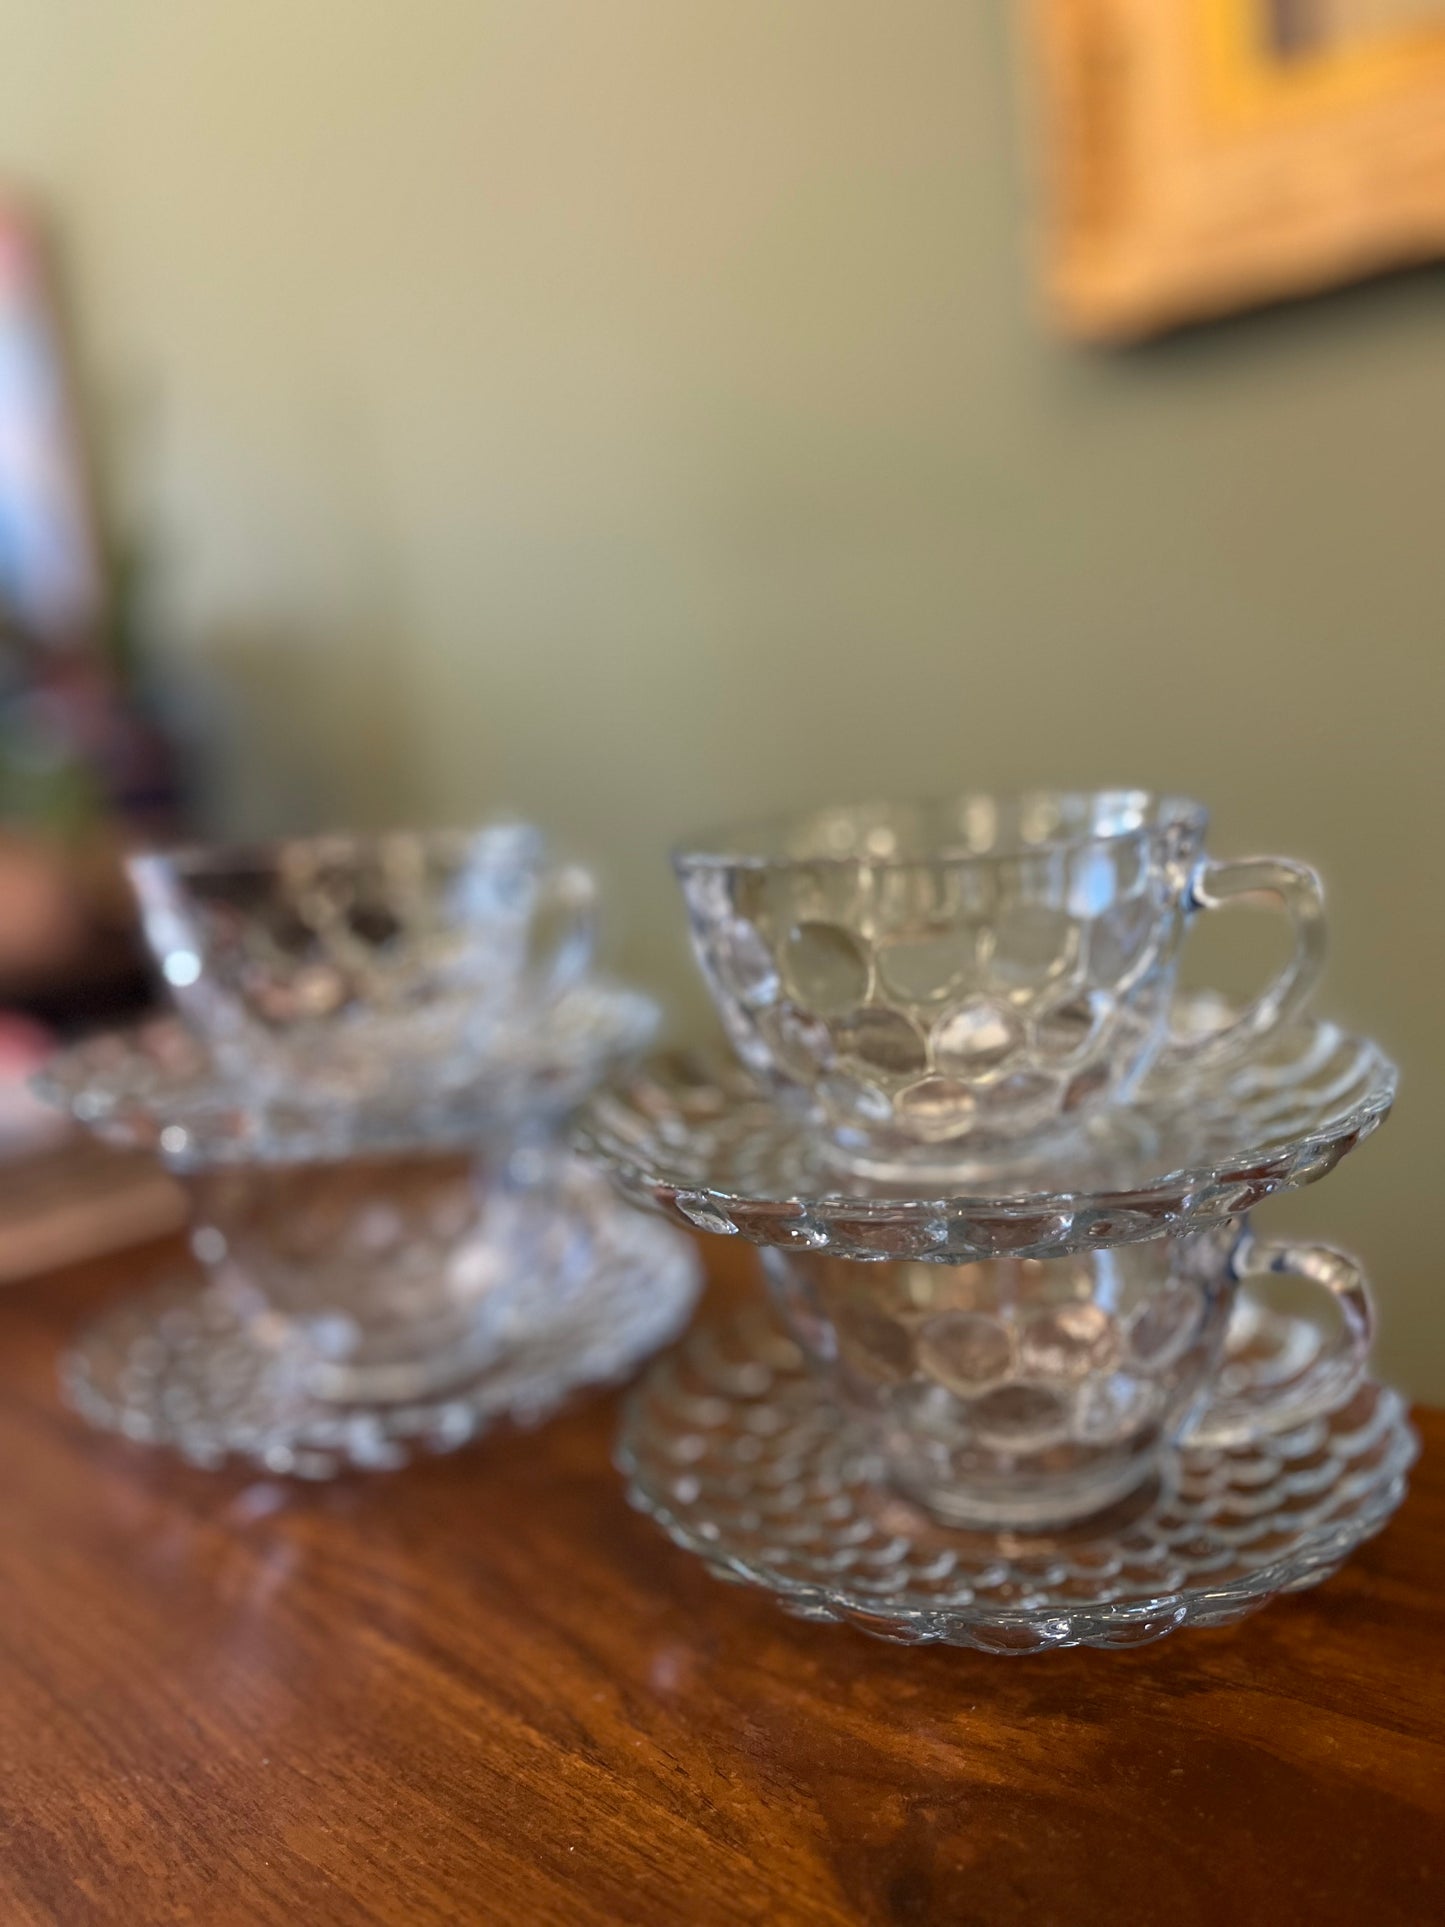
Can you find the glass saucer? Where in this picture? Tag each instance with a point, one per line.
(734, 1448)
(188, 1365)
(697, 1139)
(157, 1086)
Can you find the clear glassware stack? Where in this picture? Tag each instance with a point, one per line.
(1029, 1379)
(364, 1094)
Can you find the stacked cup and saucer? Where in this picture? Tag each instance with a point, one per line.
(365, 1092)
(1028, 1380)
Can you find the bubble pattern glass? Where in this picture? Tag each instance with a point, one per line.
(1025, 1393)
(345, 967)
(158, 1086)
(970, 972)
(699, 1141)
(738, 1452)
(332, 1376)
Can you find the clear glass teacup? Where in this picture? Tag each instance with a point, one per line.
(1024, 1394)
(383, 1280)
(938, 979)
(353, 970)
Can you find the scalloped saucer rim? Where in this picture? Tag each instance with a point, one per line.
(639, 1294)
(727, 1093)
(1104, 1619)
(194, 1116)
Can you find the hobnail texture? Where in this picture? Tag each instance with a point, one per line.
(206, 1370)
(158, 1086)
(1201, 1142)
(343, 967)
(968, 973)
(385, 1275)
(1030, 1394)
(393, 1276)
(739, 1453)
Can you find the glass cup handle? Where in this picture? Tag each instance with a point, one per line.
(1329, 1380)
(570, 901)
(1297, 889)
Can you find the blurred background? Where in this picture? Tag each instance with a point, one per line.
(636, 415)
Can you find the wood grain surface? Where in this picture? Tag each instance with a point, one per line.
(483, 1691)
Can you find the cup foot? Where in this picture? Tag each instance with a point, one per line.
(1110, 1501)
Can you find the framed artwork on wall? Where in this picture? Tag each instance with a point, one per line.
(1203, 156)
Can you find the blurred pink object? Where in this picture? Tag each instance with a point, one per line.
(25, 1123)
(51, 578)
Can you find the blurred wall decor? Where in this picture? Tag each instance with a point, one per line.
(1209, 155)
(81, 765)
(79, 757)
(50, 571)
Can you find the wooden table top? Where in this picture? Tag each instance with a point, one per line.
(483, 1690)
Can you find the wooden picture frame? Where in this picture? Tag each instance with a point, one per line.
(1203, 156)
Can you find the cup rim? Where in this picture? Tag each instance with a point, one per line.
(195, 858)
(745, 845)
